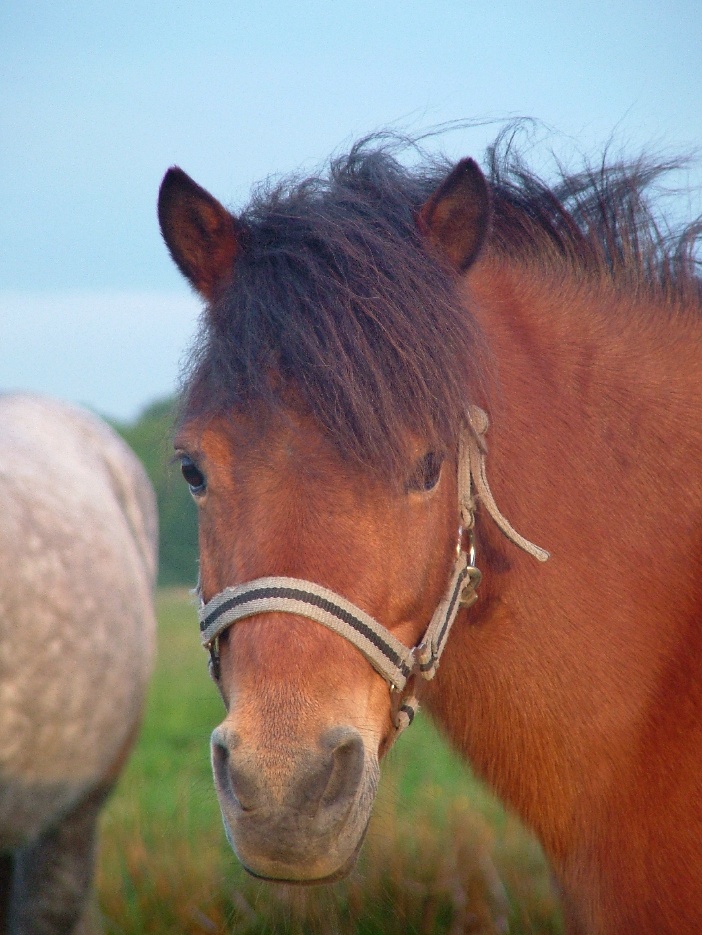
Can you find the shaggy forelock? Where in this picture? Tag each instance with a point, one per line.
(335, 294)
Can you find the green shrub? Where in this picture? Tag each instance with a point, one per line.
(151, 437)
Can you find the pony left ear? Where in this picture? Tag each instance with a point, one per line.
(456, 218)
(202, 236)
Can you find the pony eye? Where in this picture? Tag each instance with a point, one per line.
(426, 473)
(192, 474)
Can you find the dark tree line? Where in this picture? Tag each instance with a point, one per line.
(150, 436)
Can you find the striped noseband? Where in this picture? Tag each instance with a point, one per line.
(398, 664)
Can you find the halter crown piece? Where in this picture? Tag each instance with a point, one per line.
(398, 664)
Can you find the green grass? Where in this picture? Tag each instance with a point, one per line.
(441, 855)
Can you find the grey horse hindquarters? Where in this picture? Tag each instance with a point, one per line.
(78, 534)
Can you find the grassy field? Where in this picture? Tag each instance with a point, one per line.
(441, 855)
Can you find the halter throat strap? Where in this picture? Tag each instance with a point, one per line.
(398, 664)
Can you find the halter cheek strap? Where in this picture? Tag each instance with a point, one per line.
(396, 663)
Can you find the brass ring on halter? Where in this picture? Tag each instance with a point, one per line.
(471, 551)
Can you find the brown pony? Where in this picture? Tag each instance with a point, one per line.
(351, 320)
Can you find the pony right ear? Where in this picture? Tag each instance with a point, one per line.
(202, 236)
(456, 218)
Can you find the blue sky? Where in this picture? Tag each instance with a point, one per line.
(97, 100)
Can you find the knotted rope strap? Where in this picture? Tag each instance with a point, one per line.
(472, 468)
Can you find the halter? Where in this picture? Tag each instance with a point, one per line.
(398, 664)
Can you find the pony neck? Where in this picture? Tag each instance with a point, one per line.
(558, 686)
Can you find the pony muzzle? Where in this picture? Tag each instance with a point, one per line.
(300, 817)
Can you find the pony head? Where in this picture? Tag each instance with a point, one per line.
(319, 436)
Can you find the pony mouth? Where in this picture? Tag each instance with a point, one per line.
(343, 871)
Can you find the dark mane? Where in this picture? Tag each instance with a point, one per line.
(601, 221)
(335, 291)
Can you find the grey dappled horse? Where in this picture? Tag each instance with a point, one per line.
(78, 534)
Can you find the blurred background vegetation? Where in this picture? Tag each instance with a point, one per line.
(151, 437)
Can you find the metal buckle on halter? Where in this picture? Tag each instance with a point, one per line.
(469, 593)
(215, 670)
(425, 659)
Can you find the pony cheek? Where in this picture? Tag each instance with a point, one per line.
(374, 717)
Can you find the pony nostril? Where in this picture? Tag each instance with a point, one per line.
(330, 782)
(347, 759)
(220, 768)
(231, 779)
